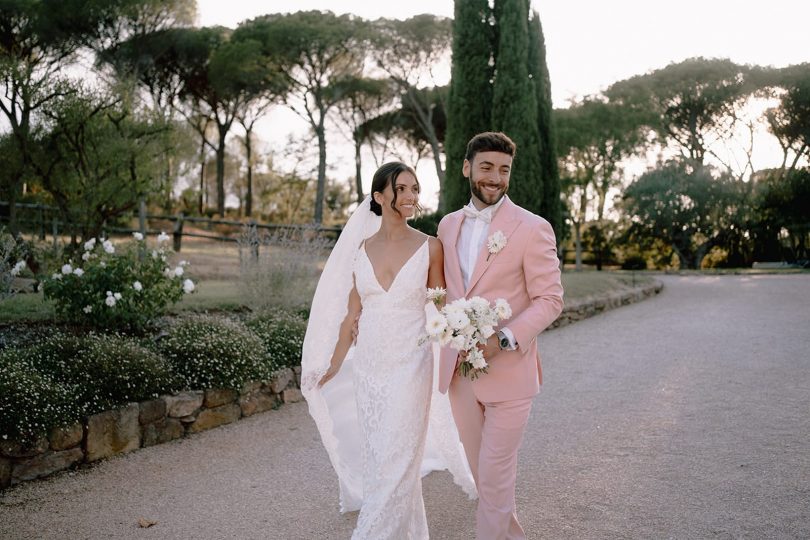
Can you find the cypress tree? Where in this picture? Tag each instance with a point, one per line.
(470, 99)
(514, 102)
(538, 70)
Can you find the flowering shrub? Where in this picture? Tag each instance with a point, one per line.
(66, 377)
(12, 263)
(125, 290)
(215, 353)
(31, 403)
(283, 336)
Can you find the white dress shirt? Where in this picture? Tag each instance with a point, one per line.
(471, 241)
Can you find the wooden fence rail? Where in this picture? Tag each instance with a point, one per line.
(46, 217)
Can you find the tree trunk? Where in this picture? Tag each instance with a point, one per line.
(201, 208)
(221, 171)
(358, 179)
(321, 188)
(249, 156)
(578, 245)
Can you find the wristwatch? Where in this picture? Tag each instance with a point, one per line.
(503, 341)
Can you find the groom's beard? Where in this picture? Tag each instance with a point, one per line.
(486, 198)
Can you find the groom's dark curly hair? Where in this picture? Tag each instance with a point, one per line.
(490, 141)
(386, 175)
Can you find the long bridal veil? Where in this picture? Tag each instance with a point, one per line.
(333, 405)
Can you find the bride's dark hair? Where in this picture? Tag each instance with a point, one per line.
(387, 174)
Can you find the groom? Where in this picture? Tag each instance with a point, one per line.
(491, 412)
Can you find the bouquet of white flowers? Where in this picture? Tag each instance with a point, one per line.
(463, 325)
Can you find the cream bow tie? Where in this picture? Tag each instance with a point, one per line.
(477, 214)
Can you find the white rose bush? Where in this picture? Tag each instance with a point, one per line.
(113, 288)
(463, 325)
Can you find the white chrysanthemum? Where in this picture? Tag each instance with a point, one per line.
(487, 331)
(90, 244)
(86, 256)
(137, 286)
(178, 271)
(110, 301)
(67, 269)
(436, 294)
(436, 325)
(476, 358)
(19, 267)
(79, 272)
(503, 309)
(108, 247)
(162, 237)
(188, 286)
(87, 309)
(137, 236)
(117, 296)
(479, 304)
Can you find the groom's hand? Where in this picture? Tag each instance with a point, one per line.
(491, 348)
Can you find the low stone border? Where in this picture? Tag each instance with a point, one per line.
(594, 305)
(138, 425)
(148, 423)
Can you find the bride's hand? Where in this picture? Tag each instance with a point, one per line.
(329, 375)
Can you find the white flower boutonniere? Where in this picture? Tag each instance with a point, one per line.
(495, 243)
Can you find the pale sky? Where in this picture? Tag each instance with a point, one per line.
(590, 44)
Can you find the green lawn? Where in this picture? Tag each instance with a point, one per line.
(216, 295)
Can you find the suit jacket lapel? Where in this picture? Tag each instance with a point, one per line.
(452, 257)
(505, 222)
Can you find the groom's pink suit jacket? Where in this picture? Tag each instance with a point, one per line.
(526, 274)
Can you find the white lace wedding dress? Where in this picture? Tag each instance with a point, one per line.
(382, 421)
(392, 378)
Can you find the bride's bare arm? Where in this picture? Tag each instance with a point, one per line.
(436, 268)
(345, 337)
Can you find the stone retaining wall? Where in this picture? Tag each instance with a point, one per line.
(143, 424)
(594, 305)
(148, 423)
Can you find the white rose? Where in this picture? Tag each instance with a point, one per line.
(168, 272)
(138, 236)
(457, 319)
(87, 309)
(108, 247)
(154, 254)
(188, 286)
(117, 296)
(178, 271)
(67, 269)
(90, 244)
(110, 301)
(79, 272)
(19, 267)
(56, 276)
(458, 342)
(137, 286)
(86, 256)
(503, 309)
(162, 237)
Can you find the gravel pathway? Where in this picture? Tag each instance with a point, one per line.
(684, 416)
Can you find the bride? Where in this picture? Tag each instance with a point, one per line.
(383, 423)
